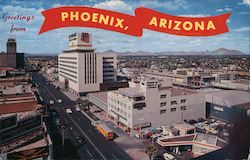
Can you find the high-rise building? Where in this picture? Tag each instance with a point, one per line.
(11, 46)
(11, 58)
(81, 69)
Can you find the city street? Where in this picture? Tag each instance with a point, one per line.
(77, 125)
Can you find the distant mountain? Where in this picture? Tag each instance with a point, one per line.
(220, 51)
(224, 51)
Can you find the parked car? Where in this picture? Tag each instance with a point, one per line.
(58, 121)
(94, 123)
(80, 139)
(51, 102)
(78, 109)
(168, 156)
(60, 100)
(201, 120)
(192, 121)
(69, 111)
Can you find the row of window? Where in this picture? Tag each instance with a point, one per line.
(67, 78)
(120, 103)
(120, 111)
(67, 66)
(67, 57)
(67, 62)
(163, 96)
(182, 108)
(175, 102)
(163, 104)
(62, 68)
(67, 74)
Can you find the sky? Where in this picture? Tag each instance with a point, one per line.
(51, 42)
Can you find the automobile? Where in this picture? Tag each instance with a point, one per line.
(58, 121)
(168, 156)
(80, 139)
(51, 102)
(201, 120)
(60, 100)
(69, 111)
(94, 123)
(78, 109)
(192, 121)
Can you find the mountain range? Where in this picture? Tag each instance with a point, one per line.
(220, 51)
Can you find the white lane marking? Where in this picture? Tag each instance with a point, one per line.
(89, 153)
(49, 92)
(88, 138)
(80, 129)
(115, 157)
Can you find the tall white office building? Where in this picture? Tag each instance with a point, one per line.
(82, 70)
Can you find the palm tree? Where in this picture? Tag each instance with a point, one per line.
(150, 150)
(83, 104)
(87, 104)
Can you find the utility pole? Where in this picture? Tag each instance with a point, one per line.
(63, 128)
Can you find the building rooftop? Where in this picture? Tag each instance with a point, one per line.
(18, 107)
(184, 126)
(7, 68)
(130, 92)
(228, 98)
(181, 91)
(198, 139)
(247, 82)
(103, 96)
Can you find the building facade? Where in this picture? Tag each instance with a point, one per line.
(81, 69)
(11, 58)
(151, 104)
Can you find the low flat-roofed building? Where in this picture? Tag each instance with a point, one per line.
(99, 99)
(185, 128)
(242, 84)
(151, 104)
(199, 143)
(228, 104)
(23, 133)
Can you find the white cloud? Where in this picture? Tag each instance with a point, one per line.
(243, 29)
(219, 10)
(226, 9)
(169, 5)
(245, 2)
(114, 5)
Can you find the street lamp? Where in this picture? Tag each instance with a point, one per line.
(63, 128)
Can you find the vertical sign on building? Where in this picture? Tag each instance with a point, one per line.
(85, 37)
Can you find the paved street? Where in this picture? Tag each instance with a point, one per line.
(95, 147)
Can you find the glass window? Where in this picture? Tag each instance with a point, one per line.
(163, 96)
(173, 102)
(183, 107)
(163, 111)
(163, 104)
(183, 101)
(173, 109)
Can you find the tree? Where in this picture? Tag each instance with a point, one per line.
(83, 104)
(87, 104)
(150, 150)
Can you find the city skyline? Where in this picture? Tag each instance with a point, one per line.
(238, 37)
